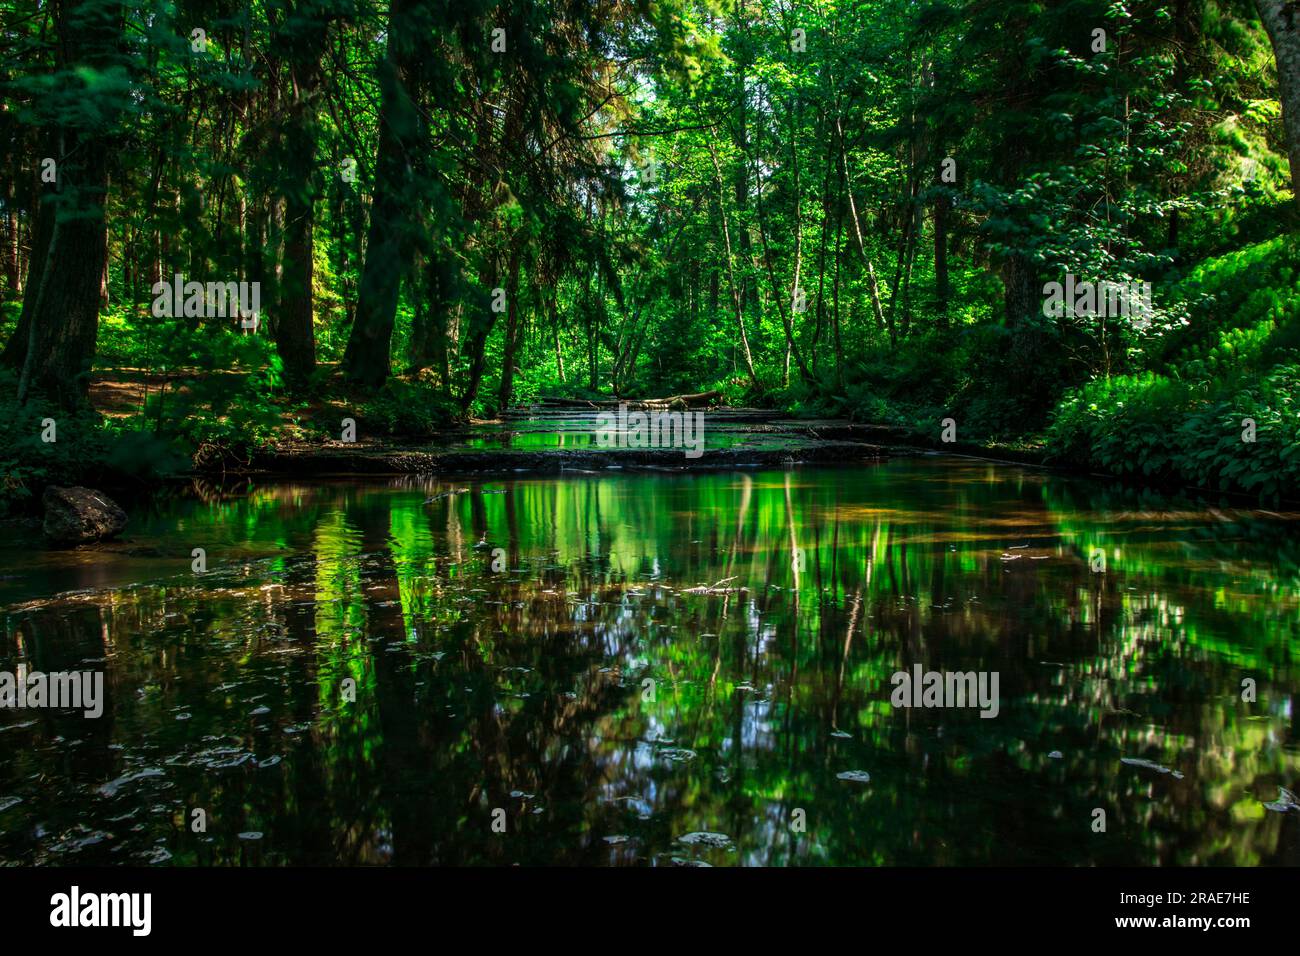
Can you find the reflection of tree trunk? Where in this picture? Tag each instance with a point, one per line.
(61, 642)
(404, 759)
(311, 815)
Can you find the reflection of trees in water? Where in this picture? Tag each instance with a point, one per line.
(473, 685)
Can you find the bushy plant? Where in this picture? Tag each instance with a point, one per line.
(408, 409)
(1241, 434)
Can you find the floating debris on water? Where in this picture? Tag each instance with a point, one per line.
(1149, 765)
(111, 788)
(677, 754)
(718, 841)
(1286, 800)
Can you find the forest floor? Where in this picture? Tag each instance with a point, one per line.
(540, 439)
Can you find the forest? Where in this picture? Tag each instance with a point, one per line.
(594, 432)
(227, 224)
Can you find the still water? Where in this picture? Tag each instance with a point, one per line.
(663, 669)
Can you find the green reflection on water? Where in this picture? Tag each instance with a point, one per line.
(770, 611)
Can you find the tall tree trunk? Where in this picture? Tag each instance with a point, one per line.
(11, 238)
(873, 286)
(65, 317)
(482, 319)
(555, 331)
(942, 289)
(303, 37)
(389, 244)
(1018, 283)
(737, 300)
(15, 352)
(429, 326)
(507, 389)
(1282, 21)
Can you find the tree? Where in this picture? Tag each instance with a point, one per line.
(83, 97)
(1281, 19)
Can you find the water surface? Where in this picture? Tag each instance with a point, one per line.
(768, 610)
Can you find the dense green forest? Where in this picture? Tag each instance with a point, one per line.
(430, 210)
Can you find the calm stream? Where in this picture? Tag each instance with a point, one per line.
(664, 670)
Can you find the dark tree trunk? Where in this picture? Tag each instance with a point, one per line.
(480, 326)
(65, 301)
(388, 247)
(512, 335)
(12, 281)
(1282, 21)
(1018, 281)
(294, 335)
(65, 316)
(429, 327)
(942, 290)
(15, 352)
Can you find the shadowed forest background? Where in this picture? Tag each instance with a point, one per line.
(835, 208)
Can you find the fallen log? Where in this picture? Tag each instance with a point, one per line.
(689, 401)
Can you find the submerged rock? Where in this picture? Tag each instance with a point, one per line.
(78, 515)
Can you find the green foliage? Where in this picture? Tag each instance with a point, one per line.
(1247, 289)
(1237, 358)
(86, 450)
(407, 410)
(656, 187)
(1152, 426)
(218, 388)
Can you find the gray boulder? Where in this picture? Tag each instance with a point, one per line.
(77, 515)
